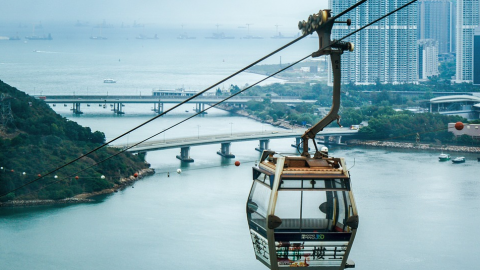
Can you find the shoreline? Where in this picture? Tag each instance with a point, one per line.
(414, 146)
(371, 143)
(83, 197)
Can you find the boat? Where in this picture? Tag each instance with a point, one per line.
(34, 37)
(444, 157)
(109, 81)
(458, 160)
(219, 36)
(185, 36)
(146, 37)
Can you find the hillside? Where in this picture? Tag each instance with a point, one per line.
(34, 140)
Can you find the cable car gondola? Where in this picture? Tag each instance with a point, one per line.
(301, 211)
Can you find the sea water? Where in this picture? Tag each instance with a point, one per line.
(415, 212)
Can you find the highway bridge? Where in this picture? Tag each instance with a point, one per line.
(118, 102)
(331, 135)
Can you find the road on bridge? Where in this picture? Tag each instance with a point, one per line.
(228, 138)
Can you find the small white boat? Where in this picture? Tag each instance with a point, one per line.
(458, 160)
(109, 81)
(444, 157)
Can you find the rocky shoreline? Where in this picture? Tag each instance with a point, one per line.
(414, 146)
(84, 197)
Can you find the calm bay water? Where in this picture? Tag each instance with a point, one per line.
(415, 212)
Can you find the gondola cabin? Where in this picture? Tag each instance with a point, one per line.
(301, 212)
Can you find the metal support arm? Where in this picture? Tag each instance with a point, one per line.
(333, 114)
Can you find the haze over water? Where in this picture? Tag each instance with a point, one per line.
(415, 212)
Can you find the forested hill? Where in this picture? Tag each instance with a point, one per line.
(34, 140)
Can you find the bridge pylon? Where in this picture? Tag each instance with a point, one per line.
(225, 151)
(185, 155)
(263, 145)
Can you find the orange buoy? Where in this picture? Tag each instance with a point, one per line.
(135, 175)
(39, 175)
(237, 163)
(459, 126)
(76, 177)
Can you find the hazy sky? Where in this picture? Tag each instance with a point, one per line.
(260, 13)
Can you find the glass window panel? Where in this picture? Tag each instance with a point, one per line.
(260, 195)
(313, 218)
(288, 209)
(264, 178)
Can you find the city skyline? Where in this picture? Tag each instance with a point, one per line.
(385, 52)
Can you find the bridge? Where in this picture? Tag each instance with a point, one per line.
(331, 136)
(117, 102)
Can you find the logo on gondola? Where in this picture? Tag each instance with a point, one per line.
(313, 236)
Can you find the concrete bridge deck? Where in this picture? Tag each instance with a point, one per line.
(158, 101)
(226, 139)
(150, 99)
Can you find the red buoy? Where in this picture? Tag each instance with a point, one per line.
(39, 175)
(237, 163)
(459, 126)
(12, 171)
(76, 177)
(135, 175)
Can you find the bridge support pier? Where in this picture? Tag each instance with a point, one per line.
(200, 107)
(263, 145)
(185, 155)
(335, 140)
(158, 107)
(76, 108)
(117, 108)
(225, 151)
(298, 143)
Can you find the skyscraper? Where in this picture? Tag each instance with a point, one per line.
(467, 20)
(427, 58)
(436, 21)
(385, 52)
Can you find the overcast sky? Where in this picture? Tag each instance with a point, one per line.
(261, 13)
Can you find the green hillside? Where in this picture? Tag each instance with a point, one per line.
(34, 140)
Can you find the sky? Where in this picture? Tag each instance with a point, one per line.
(193, 13)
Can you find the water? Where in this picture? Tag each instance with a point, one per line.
(74, 64)
(415, 212)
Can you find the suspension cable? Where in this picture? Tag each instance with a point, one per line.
(163, 113)
(200, 93)
(172, 126)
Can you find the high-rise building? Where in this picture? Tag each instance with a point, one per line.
(476, 57)
(436, 20)
(427, 58)
(467, 20)
(385, 52)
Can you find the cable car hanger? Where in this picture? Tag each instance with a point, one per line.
(322, 23)
(301, 211)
